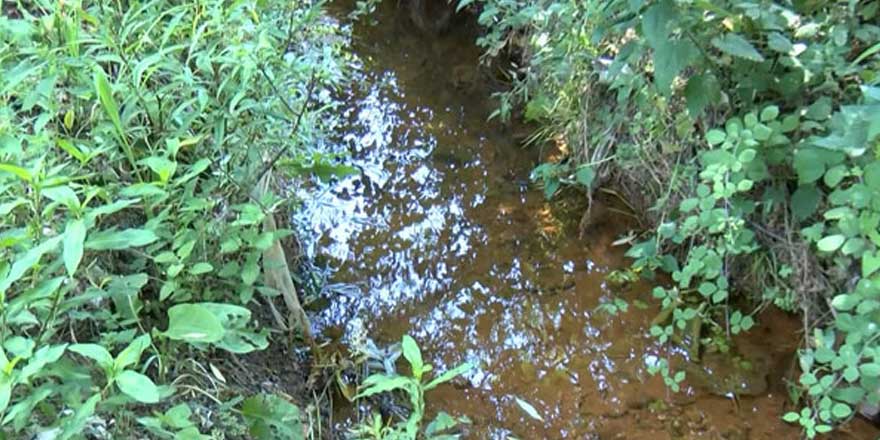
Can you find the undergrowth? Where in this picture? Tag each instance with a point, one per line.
(141, 148)
(750, 133)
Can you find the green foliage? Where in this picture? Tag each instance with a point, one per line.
(131, 137)
(715, 221)
(270, 417)
(553, 175)
(173, 424)
(414, 386)
(646, 89)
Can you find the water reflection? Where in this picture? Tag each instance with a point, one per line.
(445, 242)
(440, 236)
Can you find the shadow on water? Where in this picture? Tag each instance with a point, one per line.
(441, 236)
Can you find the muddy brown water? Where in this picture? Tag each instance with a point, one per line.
(441, 236)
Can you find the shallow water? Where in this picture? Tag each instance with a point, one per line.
(441, 236)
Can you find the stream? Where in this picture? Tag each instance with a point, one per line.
(442, 236)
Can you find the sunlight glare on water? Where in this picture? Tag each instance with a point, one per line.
(441, 236)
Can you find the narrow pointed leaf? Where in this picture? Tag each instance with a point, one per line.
(529, 409)
(74, 241)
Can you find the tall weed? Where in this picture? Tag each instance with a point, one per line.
(132, 136)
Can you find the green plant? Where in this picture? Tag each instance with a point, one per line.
(713, 224)
(116, 369)
(838, 374)
(414, 386)
(553, 175)
(775, 205)
(270, 417)
(174, 423)
(140, 147)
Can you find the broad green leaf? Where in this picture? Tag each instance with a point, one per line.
(5, 390)
(118, 240)
(125, 293)
(105, 95)
(93, 214)
(872, 175)
(831, 243)
(656, 20)
(144, 190)
(769, 113)
(670, 58)
(270, 417)
(779, 43)
(178, 416)
(736, 45)
(529, 409)
(46, 355)
(762, 132)
(791, 417)
(707, 288)
(449, 375)
(441, 423)
(21, 413)
(193, 323)
(870, 369)
(18, 171)
(190, 433)
(852, 395)
(845, 302)
(64, 195)
(237, 338)
(194, 171)
(747, 155)
(201, 268)
(71, 149)
(835, 175)
(75, 425)
(719, 296)
(804, 201)
(809, 165)
(585, 176)
(715, 137)
(131, 354)
(841, 410)
(251, 269)
(74, 240)
(870, 263)
(6, 208)
(27, 261)
(820, 110)
(413, 355)
(701, 91)
(853, 246)
(380, 383)
(137, 386)
(95, 352)
(163, 167)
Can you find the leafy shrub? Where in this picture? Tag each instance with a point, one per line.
(751, 131)
(133, 137)
(415, 385)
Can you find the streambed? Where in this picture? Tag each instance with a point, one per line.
(441, 236)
